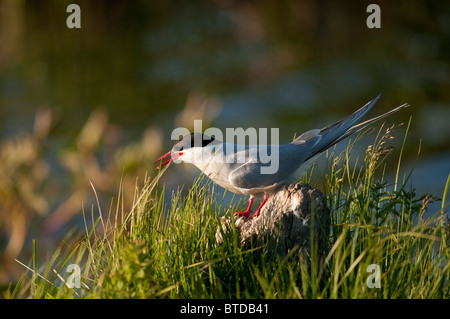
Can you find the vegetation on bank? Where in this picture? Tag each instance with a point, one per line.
(381, 245)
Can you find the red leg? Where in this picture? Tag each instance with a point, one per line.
(259, 208)
(246, 213)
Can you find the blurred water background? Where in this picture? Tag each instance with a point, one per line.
(92, 108)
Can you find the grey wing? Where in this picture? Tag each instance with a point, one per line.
(260, 175)
(336, 132)
(303, 148)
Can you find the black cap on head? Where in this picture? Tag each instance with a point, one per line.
(192, 140)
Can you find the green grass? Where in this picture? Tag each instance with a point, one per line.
(169, 250)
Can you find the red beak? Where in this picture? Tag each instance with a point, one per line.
(174, 157)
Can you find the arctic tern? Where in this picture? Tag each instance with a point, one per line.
(220, 161)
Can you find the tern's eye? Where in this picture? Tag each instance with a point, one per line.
(181, 148)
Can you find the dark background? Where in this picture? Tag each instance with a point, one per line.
(98, 104)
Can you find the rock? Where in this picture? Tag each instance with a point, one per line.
(285, 221)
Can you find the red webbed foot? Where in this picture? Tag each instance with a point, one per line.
(256, 214)
(245, 214)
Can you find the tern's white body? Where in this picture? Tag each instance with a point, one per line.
(224, 166)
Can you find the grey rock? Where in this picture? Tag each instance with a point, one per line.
(289, 219)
